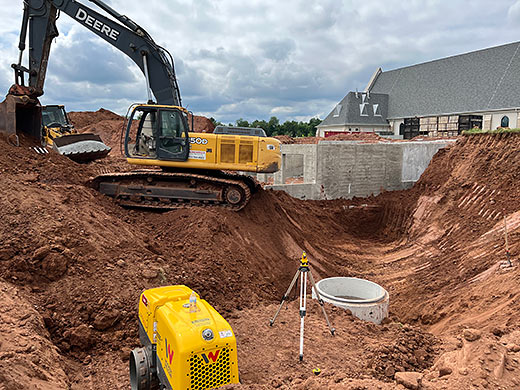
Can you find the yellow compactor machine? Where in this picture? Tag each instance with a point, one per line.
(187, 345)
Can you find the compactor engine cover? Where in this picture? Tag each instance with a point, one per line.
(186, 343)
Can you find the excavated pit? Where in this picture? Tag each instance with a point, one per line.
(76, 263)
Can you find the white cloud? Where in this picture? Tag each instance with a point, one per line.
(283, 110)
(251, 59)
(514, 12)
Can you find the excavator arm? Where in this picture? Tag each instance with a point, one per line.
(39, 21)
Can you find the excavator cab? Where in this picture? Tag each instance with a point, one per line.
(157, 132)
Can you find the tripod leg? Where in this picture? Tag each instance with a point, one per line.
(284, 298)
(331, 329)
(303, 308)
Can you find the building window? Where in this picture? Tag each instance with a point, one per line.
(505, 121)
(337, 110)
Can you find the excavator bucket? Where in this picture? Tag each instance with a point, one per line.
(20, 115)
(81, 147)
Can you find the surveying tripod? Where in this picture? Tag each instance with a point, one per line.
(302, 271)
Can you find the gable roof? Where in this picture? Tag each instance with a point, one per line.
(482, 80)
(359, 108)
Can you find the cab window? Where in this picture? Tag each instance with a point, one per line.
(172, 124)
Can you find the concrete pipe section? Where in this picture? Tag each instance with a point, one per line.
(366, 300)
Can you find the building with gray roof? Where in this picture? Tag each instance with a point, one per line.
(436, 98)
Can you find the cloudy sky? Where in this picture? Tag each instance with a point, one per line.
(254, 59)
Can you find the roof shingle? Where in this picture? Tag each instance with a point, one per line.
(482, 80)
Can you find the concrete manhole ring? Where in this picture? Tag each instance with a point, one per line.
(365, 299)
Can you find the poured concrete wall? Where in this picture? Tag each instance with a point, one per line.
(416, 158)
(293, 154)
(344, 169)
(293, 165)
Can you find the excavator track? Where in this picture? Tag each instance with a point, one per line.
(159, 190)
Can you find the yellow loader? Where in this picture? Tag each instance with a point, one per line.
(60, 134)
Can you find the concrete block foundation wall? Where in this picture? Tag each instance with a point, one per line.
(344, 169)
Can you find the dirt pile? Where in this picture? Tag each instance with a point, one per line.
(82, 119)
(79, 262)
(201, 124)
(107, 124)
(362, 137)
(28, 360)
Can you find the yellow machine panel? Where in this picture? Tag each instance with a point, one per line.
(194, 345)
(157, 136)
(224, 152)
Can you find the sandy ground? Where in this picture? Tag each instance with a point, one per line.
(74, 264)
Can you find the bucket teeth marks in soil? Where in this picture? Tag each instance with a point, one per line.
(481, 198)
(422, 267)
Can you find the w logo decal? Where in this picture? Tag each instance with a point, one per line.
(169, 352)
(213, 356)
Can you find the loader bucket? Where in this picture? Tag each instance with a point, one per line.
(81, 147)
(20, 115)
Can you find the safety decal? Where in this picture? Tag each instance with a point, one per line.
(225, 333)
(197, 154)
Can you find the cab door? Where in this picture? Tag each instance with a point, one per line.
(172, 135)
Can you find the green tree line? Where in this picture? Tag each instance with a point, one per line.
(273, 126)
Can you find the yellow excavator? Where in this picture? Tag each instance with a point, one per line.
(194, 168)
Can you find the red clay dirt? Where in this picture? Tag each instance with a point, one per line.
(361, 136)
(201, 124)
(74, 264)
